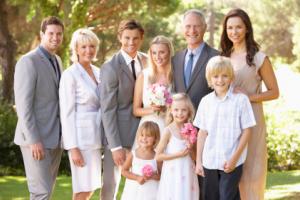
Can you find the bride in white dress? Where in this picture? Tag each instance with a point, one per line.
(158, 71)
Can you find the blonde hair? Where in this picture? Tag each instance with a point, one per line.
(83, 36)
(160, 39)
(181, 97)
(150, 129)
(217, 65)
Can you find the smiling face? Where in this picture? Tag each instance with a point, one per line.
(180, 111)
(221, 82)
(86, 52)
(52, 38)
(146, 140)
(236, 30)
(193, 30)
(131, 40)
(160, 54)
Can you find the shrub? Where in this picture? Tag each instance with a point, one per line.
(11, 162)
(283, 140)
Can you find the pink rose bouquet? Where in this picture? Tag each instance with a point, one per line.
(189, 133)
(159, 95)
(147, 171)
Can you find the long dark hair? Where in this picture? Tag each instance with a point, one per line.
(251, 46)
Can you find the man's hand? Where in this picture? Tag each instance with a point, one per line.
(119, 156)
(37, 151)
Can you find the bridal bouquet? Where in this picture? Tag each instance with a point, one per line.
(189, 133)
(147, 171)
(159, 95)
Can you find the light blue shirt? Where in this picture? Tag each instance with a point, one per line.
(197, 52)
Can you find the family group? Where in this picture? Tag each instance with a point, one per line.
(178, 126)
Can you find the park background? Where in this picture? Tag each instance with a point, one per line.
(276, 26)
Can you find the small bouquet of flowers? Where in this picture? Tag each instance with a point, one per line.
(147, 171)
(159, 95)
(189, 133)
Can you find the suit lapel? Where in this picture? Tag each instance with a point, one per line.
(88, 82)
(199, 65)
(124, 67)
(48, 67)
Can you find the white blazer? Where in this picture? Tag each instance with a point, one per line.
(79, 98)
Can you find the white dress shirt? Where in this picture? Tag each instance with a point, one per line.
(224, 120)
(128, 59)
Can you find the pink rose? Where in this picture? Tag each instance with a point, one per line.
(147, 170)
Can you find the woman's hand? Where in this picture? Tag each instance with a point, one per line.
(240, 90)
(77, 157)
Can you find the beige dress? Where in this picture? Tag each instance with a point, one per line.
(253, 181)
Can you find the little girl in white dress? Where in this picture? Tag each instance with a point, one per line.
(178, 178)
(140, 169)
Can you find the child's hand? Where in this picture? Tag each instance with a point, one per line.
(141, 180)
(184, 152)
(229, 166)
(199, 169)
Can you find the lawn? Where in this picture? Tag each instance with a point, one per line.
(280, 186)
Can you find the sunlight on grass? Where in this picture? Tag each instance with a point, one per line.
(280, 186)
(283, 185)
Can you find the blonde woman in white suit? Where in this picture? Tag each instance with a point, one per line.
(80, 114)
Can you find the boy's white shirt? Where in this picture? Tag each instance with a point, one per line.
(224, 120)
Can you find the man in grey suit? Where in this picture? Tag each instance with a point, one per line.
(37, 133)
(118, 77)
(189, 65)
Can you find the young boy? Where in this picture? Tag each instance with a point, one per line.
(224, 119)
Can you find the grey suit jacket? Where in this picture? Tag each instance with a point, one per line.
(197, 87)
(116, 98)
(36, 98)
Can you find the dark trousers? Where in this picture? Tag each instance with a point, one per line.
(219, 185)
(200, 181)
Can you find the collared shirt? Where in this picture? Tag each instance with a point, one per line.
(49, 57)
(197, 52)
(45, 52)
(223, 120)
(128, 59)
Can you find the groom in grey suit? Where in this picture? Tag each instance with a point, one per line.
(37, 133)
(118, 77)
(189, 65)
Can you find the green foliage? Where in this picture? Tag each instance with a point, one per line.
(11, 159)
(10, 154)
(283, 140)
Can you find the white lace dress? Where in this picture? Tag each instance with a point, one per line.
(133, 190)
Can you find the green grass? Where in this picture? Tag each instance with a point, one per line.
(280, 186)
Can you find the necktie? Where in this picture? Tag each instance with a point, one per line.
(133, 69)
(188, 70)
(55, 66)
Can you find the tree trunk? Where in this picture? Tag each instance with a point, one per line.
(7, 54)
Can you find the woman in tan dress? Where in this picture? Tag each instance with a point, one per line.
(252, 67)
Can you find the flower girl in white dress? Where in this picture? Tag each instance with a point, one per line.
(178, 178)
(140, 169)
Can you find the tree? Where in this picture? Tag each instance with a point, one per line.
(7, 53)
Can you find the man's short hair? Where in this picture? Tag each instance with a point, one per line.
(196, 12)
(130, 25)
(51, 20)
